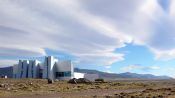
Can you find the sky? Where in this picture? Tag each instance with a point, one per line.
(113, 36)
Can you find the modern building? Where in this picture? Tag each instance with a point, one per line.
(51, 68)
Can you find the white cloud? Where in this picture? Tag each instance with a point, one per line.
(164, 55)
(21, 51)
(146, 22)
(139, 67)
(100, 58)
(81, 28)
(108, 67)
(62, 25)
(131, 67)
(108, 71)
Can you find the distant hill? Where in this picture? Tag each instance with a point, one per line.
(142, 76)
(9, 72)
(101, 74)
(126, 75)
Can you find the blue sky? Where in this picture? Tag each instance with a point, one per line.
(108, 35)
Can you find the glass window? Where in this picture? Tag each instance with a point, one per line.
(63, 74)
(59, 74)
(32, 73)
(22, 65)
(67, 74)
(32, 66)
(40, 73)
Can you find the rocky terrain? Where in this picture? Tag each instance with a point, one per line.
(39, 88)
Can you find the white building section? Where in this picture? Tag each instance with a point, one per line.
(15, 70)
(64, 70)
(90, 77)
(22, 70)
(78, 75)
(51, 68)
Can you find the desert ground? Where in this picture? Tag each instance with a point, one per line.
(39, 88)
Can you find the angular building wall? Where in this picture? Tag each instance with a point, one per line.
(48, 67)
(64, 70)
(51, 68)
(25, 69)
(33, 69)
(15, 70)
(22, 71)
(19, 69)
(40, 71)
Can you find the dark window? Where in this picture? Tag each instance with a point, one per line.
(32, 73)
(32, 66)
(47, 67)
(21, 74)
(63, 74)
(40, 70)
(27, 71)
(22, 65)
(59, 74)
(40, 73)
(67, 74)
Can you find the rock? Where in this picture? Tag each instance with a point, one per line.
(30, 83)
(8, 89)
(160, 96)
(4, 76)
(80, 80)
(50, 81)
(132, 97)
(83, 80)
(56, 80)
(52, 90)
(2, 85)
(95, 96)
(73, 81)
(15, 90)
(108, 96)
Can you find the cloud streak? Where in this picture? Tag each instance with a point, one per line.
(5, 62)
(89, 32)
(139, 67)
(28, 30)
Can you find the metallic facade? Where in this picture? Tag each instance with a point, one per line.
(51, 68)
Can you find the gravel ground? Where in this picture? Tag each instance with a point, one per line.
(32, 88)
(88, 93)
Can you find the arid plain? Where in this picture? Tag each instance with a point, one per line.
(38, 88)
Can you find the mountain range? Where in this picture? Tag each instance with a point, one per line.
(9, 72)
(127, 75)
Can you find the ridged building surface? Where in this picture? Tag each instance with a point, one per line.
(51, 68)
